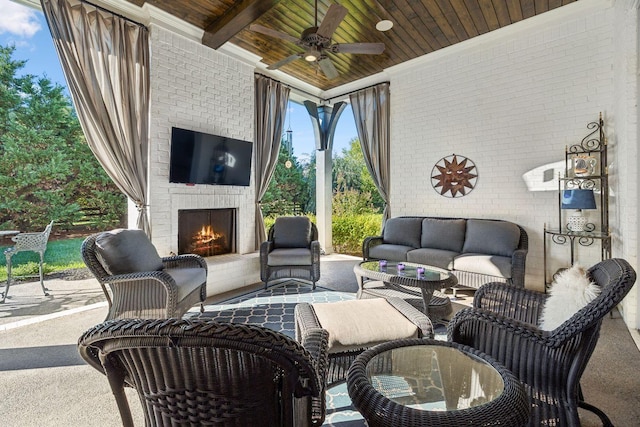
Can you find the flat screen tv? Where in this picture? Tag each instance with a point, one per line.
(201, 158)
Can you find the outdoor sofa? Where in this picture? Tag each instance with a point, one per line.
(477, 251)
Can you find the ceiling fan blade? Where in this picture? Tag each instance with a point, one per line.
(332, 19)
(363, 48)
(283, 62)
(273, 33)
(328, 68)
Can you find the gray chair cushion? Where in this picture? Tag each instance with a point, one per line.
(187, 279)
(127, 251)
(289, 256)
(390, 252)
(491, 265)
(292, 232)
(434, 257)
(447, 234)
(402, 231)
(491, 237)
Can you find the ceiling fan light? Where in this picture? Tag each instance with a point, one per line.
(312, 55)
(384, 25)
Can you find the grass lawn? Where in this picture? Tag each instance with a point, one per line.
(63, 254)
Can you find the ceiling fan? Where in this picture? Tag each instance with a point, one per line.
(316, 41)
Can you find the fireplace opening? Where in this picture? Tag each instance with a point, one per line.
(206, 232)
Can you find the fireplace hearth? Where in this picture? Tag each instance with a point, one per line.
(207, 232)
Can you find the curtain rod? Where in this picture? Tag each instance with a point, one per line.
(356, 90)
(290, 87)
(113, 13)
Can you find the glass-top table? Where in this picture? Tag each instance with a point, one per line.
(419, 382)
(423, 278)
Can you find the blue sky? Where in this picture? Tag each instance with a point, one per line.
(26, 29)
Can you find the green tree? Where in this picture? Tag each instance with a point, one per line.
(353, 189)
(47, 171)
(288, 192)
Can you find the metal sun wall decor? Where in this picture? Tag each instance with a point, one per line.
(454, 176)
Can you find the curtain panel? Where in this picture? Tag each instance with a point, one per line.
(271, 98)
(105, 59)
(372, 112)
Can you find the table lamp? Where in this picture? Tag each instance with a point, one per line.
(578, 200)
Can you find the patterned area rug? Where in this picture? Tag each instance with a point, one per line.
(273, 308)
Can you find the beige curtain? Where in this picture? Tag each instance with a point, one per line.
(271, 108)
(371, 112)
(105, 59)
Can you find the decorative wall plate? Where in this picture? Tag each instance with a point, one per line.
(454, 176)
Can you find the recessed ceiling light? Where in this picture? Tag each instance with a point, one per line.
(384, 25)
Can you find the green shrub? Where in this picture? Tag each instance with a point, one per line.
(350, 230)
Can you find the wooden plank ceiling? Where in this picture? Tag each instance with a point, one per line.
(420, 27)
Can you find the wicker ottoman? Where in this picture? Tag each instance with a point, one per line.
(356, 325)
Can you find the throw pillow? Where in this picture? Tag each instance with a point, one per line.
(570, 292)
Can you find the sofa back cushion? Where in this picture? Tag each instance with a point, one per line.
(123, 251)
(292, 232)
(491, 237)
(402, 231)
(447, 234)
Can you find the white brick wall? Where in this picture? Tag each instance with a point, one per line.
(510, 104)
(195, 87)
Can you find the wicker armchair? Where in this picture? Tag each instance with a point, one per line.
(503, 324)
(291, 251)
(27, 242)
(142, 284)
(206, 373)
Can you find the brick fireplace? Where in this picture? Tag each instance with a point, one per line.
(207, 232)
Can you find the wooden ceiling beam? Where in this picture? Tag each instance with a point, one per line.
(242, 14)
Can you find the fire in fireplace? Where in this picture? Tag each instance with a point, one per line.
(206, 232)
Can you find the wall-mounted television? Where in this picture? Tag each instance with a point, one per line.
(202, 158)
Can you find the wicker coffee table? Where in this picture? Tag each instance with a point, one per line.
(393, 282)
(420, 382)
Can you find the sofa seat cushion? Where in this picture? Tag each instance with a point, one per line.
(447, 234)
(491, 265)
(402, 231)
(123, 251)
(390, 252)
(491, 237)
(362, 323)
(433, 257)
(289, 256)
(187, 279)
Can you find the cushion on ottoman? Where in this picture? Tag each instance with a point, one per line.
(362, 323)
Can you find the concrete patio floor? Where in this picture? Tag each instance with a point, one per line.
(46, 383)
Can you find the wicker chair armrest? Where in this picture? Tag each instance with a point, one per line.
(516, 303)
(368, 243)
(414, 315)
(518, 265)
(185, 261)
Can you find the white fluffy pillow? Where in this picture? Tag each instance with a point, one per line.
(568, 294)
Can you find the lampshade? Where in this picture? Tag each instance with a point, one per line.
(578, 199)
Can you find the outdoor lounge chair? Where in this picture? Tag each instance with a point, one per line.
(503, 324)
(206, 373)
(28, 242)
(291, 251)
(142, 284)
